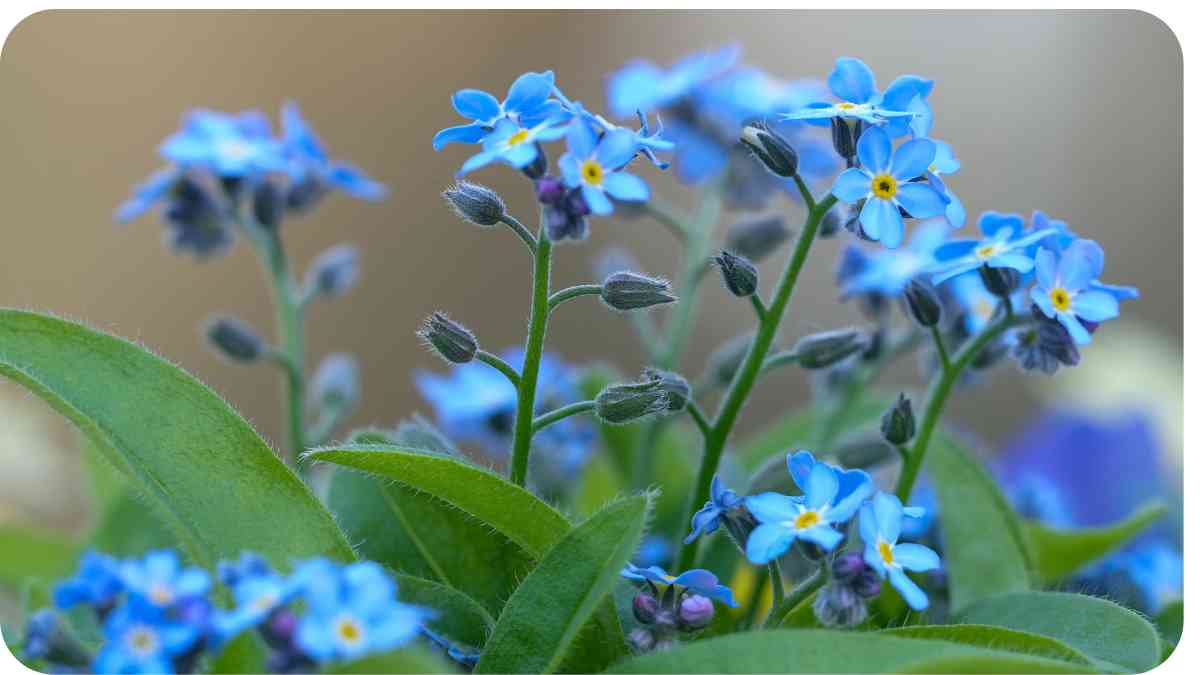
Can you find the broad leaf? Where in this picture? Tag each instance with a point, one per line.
(548, 611)
(1170, 622)
(208, 475)
(458, 616)
(1057, 553)
(32, 552)
(1106, 632)
(412, 659)
(128, 528)
(995, 637)
(983, 539)
(828, 651)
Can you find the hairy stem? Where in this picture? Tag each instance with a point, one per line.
(571, 292)
(539, 312)
(521, 231)
(544, 420)
(500, 365)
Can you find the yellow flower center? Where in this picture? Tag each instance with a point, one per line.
(518, 138)
(348, 631)
(846, 106)
(143, 640)
(806, 520)
(161, 595)
(883, 186)
(1061, 299)
(234, 149)
(593, 173)
(985, 252)
(885, 552)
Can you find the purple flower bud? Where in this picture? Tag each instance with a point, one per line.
(665, 620)
(838, 605)
(641, 639)
(848, 566)
(695, 612)
(549, 189)
(645, 606)
(280, 627)
(868, 584)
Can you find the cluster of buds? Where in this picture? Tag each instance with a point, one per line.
(658, 392)
(564, 209)
(852, 585)
(664, 615)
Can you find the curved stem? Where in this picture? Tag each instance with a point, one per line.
(943, 354)
(544, 420)
(523, 232)
(778, 590)
(570, 292)
(668, 214)
(500, 365)
(759, 308)
(527, 391)
(782, 606)
(750, 367)
(699, 417)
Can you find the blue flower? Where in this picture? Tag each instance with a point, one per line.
(784, 520)
(853, 82)
(1064, 288)
(887, 272)
(148, 193)
(515, 145)
(974, 303)
(594, 165)
(352, 611)
(879, 525)
(1004, 245)
(885, 181)
(528, 103)
(229, 146)
(258, 591)
(162, 581)
(944, 164)
(1063, 237)
(643, 86)
(307, 160)
(139, 637)
(698, 581)
(97, 583)
(708, 518)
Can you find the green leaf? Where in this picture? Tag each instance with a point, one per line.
(459, 617)
(412, 659)
(32, 552)
(128, 528)
(827, 651)
(798, 430)
(1170, 621)
(1057, 553)
(995, 637)
(245, 653)
(412, 533)
(210, 477)
(995, 663)
(545, 615)
(598, 485)
(983, 539)
(1106, 632)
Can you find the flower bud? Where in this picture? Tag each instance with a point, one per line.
(868, 584)
(847, 566)
(537, 168)
(1000, 281)
(740, 275)
(624, 291)
(695, 612)
(335, 383)
(676, 387)
(267, 204)
(922, 302)
(475, 203)
(332, 273)
(821, 350)
(304, 194)
(450, 339)
(724, 362)
(776, 154)
(549, 189)
(641, 640)
(46, 639)
(234, 339)
(837, 605)
(898, 426)
(833, 221)
(845, 137)
(621, 403)
(645, 606)
(757, 238)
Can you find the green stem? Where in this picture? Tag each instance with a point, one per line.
(943, 354)
(570, 292)
(539, 312)
(500, 365)
(759, 308)
(750, 367)
(668, 214)
(782, 606)
(699, 417)
(778, 590)
(544, 420)
(939, 392)
(523, 232)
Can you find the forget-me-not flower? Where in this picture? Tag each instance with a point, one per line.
(879, 524)
(514, 144)
(854, 485)
(854, 83)
(887, 272)
(1063, 237)
(594, 165)
(139, 637)
(528, 103)
(698, 581)
(708, 518)
(1004, 244)
(1064, 290)
(227, 145)
(886, 182)
(308, 160)
(162, 580)
(97, 583)
(258, 591)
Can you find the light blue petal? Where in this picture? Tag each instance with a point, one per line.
(799, 465)
(945, 162)
(1014, 259)
(581, 138)
(868, 529)
(921, 200)
(821, 486)
(822, 535)
(478, 161)
(475, 104)
(916, 557)
(871, 554)
(767, 542)
(1079, 334)
(598, 203)
(901, 92)
(1042, 299)
(626, 186)
(852, 185)
(956, 213)
(634, 88)
(881, 221)
(852, 80)
(875, 150)
(1046, 265)
(529, 91)
(1077, 269)
(849, 505)
(569, 165)
(697, 579)
(913, 159)
(992, 222)
(1095, 306)
(616, 148)
(467, 133)
(952, 269)
(909, 590)
(1121, 293)
(889, 513)
(772, 507)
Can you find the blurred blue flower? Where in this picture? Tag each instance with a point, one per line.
(708, 518)
(879, 525)
(148, 193)
(655, 549)
(227, 145)
(97, 583)
(1064, 290)
(853, 82)
(641, 86)
(1004, 245)
(698, 581)
(972, 303)
(516, 145)
(139, 637)
(887, 272)
(887, 184)
(308, 160)
(352, 611)
(258, 591)
(160, 579)
(528, 103)
(944, 164)
(594, 165)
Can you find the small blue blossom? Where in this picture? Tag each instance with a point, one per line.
(698, 581)
(1064, 288)
(528, 103)
(944, 164)
(516, 145)
(854, 486)
(162, 581)
(148, 194)
(308, 160)
(886, 182)
(1064, 237)
(594, 165)
(141, 638)
(227, 145)
(708, 519)
(352, 611)
(97, 583)
(974, 303)
(643, 86)
(853, 82)
(1004, 245)
(879, 525)
(887, 272)
(258, 591)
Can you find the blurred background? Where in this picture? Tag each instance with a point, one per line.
(1075, 113)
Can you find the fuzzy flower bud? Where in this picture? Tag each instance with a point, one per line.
(332, 273)
(450, 339)
(837, 605)
(1000, 281)
(624, 291)
(922, 301)
(641, 640)
(821, 350)
(335, 383)
(475, 203)
(621, 403)
(898, 425)
(847, 566)
(677, 388)
(757, 238)
(695, 612)
(234, 339)
(776, 154)
(645, 606)
(740, 275)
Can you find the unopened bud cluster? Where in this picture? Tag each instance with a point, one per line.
(842, 602)
(664, 616)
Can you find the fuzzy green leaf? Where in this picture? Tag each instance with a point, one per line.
(1057, 553)
(547, 613)
(995, 637)
(209, 476)
(459, 617)
(1170, 622)
(984, 540)
(827, 651)
(1106, 632)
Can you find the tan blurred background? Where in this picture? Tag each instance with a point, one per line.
(1078, 114)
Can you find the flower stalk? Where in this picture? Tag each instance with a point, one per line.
(539, 313)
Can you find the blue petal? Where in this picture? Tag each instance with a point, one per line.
(1016, 260)
(912, 594)
(1121, 293)
(767, 542)
(875, 150)
(467, 133)
(354, 182)
(597, 201)
(704, 521)
(921, 200)
(852, 80)
(626, 186)
(475, 104)
(944, 162)
(569, 165)
(528, 92)
(889, 514)
(771, 507)
(1077, 267)
(520, 155)
(634, 88)
(916, 557)
(956, 213)
(1079, 334)
(881, 221)
(581, 138)
(800, 465)
(991, 222)
(822, 535)
(616, 148)
(1095, 306)
(821, 486)
(852, 185)
(913, 158)
(868, 529)
(1042, 299)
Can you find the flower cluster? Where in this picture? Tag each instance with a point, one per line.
(158, 616)
(668, 604)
